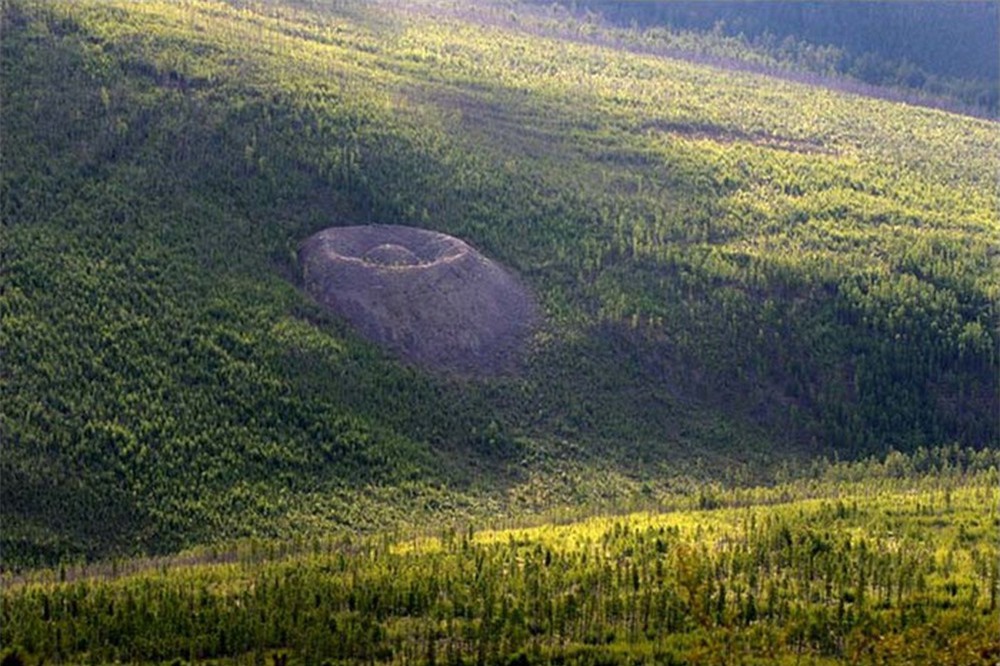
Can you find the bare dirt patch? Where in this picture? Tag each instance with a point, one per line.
(428, 297)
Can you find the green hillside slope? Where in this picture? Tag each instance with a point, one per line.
(733, 271)
(930, 51)
(900, 568)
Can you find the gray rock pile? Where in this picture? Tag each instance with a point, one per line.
(428, 297)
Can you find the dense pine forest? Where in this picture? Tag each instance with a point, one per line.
(767, 328)
(943, 51)
(899, 567)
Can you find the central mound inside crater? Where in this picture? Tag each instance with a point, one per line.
(390, 254)
(427, 296)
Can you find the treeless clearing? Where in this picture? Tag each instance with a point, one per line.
(426, 296)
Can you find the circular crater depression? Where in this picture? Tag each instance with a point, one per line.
(390, 254)
(427, 296)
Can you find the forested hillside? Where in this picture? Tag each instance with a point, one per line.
(945, 49)
(900, 568)
(733, 271)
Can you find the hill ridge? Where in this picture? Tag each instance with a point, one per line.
(712, 309)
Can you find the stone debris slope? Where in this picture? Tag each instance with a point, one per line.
(426, 296)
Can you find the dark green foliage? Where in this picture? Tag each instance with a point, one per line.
(941, 48)
(891, 567)
(722, 290)
(12, 658)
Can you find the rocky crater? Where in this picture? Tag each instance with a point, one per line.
(428, 297)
